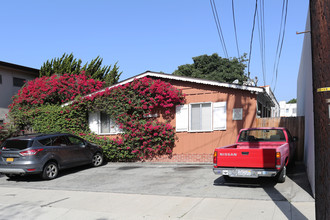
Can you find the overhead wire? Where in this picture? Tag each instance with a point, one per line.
(217, 22)
(280, 40)
(262, 45)
(254, 20)
(233, 12)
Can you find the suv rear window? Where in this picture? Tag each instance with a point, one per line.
(16, 144)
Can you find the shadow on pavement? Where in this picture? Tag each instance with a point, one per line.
(128, 167)
(37, 177)
(296, 174)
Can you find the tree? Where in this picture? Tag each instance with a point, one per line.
(215, 68)
(70, 65)
(292, 101)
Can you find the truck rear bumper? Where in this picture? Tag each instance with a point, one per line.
(245, 172)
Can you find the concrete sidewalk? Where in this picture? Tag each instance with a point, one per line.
(19, 203)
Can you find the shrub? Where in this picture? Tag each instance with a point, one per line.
(129, 105)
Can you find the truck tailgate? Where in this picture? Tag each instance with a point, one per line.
(256, 158)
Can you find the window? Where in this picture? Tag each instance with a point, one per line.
(16, 144)
(18, 82)
(59, 141)
(101, 123)
(46, 141)
(261, 135)
(0, 79)
(76, 141)
(200, 117)
(105, 123)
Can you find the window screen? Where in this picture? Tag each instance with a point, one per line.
(201, 117)
(105, 123)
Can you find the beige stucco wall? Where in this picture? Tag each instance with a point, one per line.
(305, 104)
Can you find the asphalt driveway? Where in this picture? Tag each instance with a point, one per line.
(189, 180)
(155, 191)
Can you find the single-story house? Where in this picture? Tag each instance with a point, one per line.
(212, 116)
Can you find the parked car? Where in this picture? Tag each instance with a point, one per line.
(46, 154)
(257, 152)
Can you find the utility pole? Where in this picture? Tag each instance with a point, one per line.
(320, 35)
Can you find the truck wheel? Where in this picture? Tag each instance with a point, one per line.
(50, 171)
(280, 178)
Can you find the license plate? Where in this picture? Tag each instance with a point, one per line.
(10, 159)
(244, 173)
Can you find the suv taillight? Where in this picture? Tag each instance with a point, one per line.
(30, 152)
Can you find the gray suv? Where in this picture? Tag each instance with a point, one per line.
(46, 154)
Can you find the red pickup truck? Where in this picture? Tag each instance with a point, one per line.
(257, 152)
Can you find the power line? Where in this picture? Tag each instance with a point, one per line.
(217, 22)
(280, 38)
(254, 20)
(261, 31)
(233, 10)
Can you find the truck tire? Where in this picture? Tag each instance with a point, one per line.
(280, 177)
(227, 178)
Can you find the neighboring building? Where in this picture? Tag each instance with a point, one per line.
(305, 104)
(274, 110)
(288, 110)
(12, 78)
(212, 116)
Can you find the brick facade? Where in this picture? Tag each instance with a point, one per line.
(187, 158)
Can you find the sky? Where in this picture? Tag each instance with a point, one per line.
(152, 35)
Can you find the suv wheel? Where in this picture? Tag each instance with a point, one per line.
(97, 160)
(50, 171)
(11, 176)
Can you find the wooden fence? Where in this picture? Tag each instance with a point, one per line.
(296, 126)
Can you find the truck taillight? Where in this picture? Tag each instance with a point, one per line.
(215, 159)
(30, 152)
(278, 160)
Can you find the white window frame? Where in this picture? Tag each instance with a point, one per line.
(184, 117)
(98, 129)
(190, 117)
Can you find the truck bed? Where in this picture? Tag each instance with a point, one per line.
(254, 155)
